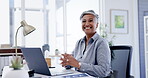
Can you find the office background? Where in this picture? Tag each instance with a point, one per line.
(57, 24)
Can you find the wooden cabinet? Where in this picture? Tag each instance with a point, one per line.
(146, 44)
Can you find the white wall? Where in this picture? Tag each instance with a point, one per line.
(132, 37)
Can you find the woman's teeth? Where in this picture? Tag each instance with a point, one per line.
(87, 27)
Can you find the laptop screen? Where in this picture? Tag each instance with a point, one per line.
(35, 60)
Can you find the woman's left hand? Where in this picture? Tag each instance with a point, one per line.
(69, 60)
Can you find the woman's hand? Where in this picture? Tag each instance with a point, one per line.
(69, 60)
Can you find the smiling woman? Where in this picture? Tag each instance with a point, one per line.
(91, 54)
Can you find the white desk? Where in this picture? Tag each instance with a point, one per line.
(75, 74)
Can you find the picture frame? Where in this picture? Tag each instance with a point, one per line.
(119, 21)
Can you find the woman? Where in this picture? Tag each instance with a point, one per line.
(91, 54)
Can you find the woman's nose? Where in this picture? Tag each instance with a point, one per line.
(87, 23)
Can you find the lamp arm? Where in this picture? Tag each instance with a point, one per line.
(16, 40)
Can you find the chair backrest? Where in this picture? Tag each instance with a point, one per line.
(44, 48)
(121, 60)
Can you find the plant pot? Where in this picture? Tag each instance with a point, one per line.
(17, 73)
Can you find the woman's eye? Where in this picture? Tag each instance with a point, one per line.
(83, 21)
(90, 20)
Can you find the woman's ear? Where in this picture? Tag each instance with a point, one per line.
(97, 25)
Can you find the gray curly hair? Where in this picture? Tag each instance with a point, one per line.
(89, 12)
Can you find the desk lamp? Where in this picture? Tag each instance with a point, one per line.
(17, 61)
(27, 29)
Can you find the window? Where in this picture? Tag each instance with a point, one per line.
(4, 24)
(34, 15)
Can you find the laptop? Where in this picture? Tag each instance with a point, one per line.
(36, 61)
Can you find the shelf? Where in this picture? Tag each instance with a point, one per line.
(9, 52)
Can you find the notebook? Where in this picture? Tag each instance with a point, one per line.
(36, 61)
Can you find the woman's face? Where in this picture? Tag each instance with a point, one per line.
(89, 24)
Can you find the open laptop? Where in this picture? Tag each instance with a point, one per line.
(36, 61)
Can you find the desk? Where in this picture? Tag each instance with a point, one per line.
(75, 74)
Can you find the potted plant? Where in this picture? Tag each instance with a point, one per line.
(16, 62)
(104, 33)
(57, 52)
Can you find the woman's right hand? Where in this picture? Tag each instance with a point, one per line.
(69, 60)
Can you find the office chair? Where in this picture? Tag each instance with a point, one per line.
(44, 48)
(121, 61)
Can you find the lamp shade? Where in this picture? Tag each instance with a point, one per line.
(27, 29)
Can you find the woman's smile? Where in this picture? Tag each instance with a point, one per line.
(87, 27)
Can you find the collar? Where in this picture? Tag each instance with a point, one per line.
(94, 37)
